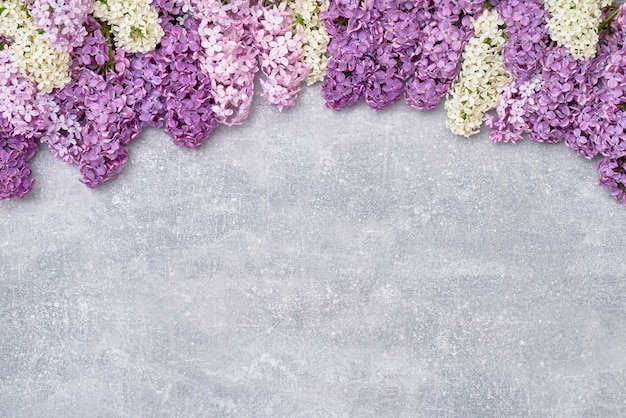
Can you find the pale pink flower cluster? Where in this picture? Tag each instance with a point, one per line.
(62, 20)
(280, 53)
(229, 55)
(21, 104)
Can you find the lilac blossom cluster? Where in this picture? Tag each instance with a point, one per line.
(580, 102)
(607, 116)
(527, 32)
(87, 76)
(229, 55)
(443, 40)
(93, 119)
(280, 51)
(380, 50)
(371, 50)
(23, 115)
(62, 22)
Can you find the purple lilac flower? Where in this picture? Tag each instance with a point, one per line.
(15, 152)
(611, 94)
(372, 50)
(184, 87)
(443, 40)
(23, 117)
(566, 100)
(63, 21)
(397, 36)
(94, 119)
(527, 33)
(593, 111)
(350, 50)
(547, 105)
(612, 174)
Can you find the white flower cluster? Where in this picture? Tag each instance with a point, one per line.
(574, 24)
(30, 51)
(482, 78)
(306, 17)
(136, 25)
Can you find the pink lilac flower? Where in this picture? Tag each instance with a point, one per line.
(62, 21)
(280, 51)
(229, 55)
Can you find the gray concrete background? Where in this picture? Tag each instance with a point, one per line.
(322, 264)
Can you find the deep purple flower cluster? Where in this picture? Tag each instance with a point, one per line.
(184, 89)
(612, 173)
(557, 103)
(609, 111)
(373, 45)
(349, 50)
(443, 40)
(15, 152)
(382, 49)
(592, 112)
(527, 33)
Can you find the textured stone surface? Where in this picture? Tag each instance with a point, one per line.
(314, 263)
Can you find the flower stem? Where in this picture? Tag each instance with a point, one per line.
(606, 23)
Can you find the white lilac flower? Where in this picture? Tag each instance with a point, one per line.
(482, 78)
(30, 51)
(12, 15)
(574, 24)
(136, 25)
(306, 16)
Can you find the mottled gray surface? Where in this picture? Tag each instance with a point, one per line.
(317, 264)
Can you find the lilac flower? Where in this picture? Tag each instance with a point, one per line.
(612, 175)
(609, 107)
(280, 51)
(548, 105)
(61, 21)
(443, 40)
(15, 152)
(94, 118)
(23, 116)
(594, 112)
(186, 90)
(229, 55)
(370, 51)
(350, 51)
(527, 33)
